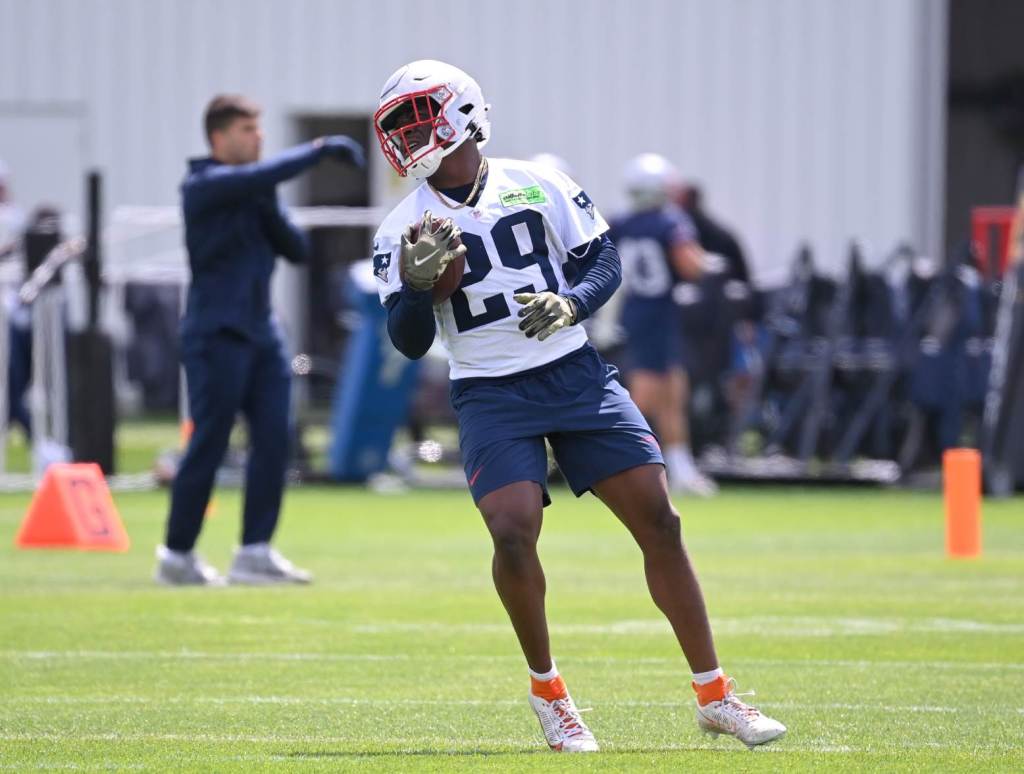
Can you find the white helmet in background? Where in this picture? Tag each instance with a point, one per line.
(427, 110)
(554, 162)
(650, 180)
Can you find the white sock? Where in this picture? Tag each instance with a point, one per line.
(551, 674)
(703, 678)
(679, 461)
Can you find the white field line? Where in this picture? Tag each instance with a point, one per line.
(775, 626)
(356, 702)
(501, 746)
(193, 655)
(146, 737)
(444, 745)
(771, 626)
(675, 663)
(56, 766)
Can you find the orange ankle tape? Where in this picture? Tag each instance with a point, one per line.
(548, 690)
(713, 691)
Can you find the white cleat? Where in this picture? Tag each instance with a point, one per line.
(734, 718)
(177, 568)
(260, 565)
(563, 727)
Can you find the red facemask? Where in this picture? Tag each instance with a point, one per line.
(412, 125)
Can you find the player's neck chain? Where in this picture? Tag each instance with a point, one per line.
(480, 172)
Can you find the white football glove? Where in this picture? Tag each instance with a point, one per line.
(426, 251)
(544, 314)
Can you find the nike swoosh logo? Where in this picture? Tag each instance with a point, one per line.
(418, 262)
(475, 476)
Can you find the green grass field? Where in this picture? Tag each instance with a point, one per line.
(837, 606)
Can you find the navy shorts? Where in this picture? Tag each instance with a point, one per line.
(593, 426)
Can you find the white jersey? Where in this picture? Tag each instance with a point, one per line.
(518, 238)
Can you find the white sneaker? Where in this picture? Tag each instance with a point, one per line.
(175, 568)
(731, 716)
(563, 727)
(694, 483)
(260, 565)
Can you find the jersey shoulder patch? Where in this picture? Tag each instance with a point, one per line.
(381, 264)
(583, 201)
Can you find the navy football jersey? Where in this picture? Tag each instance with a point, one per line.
(645, 241)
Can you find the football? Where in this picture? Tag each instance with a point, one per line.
(451, 277)
(449, 281)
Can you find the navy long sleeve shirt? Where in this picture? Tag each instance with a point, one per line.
(599, 275)
(411, 325)
(234, 230)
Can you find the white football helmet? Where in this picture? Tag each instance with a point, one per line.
(650, 180)
(427, 110)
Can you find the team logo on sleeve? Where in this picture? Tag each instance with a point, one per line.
(381, 263)
(584, 203)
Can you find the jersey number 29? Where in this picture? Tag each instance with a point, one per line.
(510, 255)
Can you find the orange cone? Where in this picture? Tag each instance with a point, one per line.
(73, 509)
(961, 474)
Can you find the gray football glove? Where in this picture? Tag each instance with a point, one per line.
(426, 251)
(545, 313)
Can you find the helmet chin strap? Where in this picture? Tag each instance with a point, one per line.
(421, 170)
(428, 165)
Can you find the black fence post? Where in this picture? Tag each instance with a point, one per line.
(91, 357)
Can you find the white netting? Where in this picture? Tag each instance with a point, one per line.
(47, 396)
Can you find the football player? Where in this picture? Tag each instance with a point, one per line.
(658, 245)
(522, 371)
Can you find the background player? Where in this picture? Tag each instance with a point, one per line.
(658, 246)
(518, 377)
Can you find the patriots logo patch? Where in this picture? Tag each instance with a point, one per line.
(584, 203)
(381, 264)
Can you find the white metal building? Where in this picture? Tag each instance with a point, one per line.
(816, 119)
